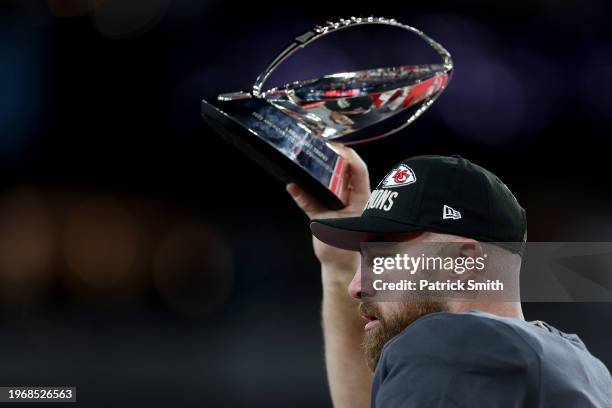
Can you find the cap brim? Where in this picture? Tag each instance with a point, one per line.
(349, 233)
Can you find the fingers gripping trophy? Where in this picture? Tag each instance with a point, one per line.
(289, 129)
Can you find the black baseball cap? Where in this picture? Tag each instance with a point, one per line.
(446, 194)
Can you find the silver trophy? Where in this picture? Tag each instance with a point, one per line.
(286, 129)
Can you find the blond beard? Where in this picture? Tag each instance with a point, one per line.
(391, 326)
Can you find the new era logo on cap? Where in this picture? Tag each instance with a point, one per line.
(399, 176)
(449, 213)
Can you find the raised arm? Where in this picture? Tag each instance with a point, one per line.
(350, 380)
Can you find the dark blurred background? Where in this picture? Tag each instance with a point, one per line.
(144, 260)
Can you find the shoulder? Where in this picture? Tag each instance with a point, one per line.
(472, 338)
(457, 359)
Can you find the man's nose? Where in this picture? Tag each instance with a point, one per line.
(356, 288)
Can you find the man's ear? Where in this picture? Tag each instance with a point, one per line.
(470, 248)
(470, 251)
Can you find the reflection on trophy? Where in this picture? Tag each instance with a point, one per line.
(287, 129)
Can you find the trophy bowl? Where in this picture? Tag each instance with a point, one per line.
(287, 129)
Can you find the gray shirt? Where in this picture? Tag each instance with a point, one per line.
(477, 359)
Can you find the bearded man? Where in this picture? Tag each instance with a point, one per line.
(438, 352)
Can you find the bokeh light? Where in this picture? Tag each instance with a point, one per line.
(22, 88)
(193, 270)
(100, 242)
(27, 246)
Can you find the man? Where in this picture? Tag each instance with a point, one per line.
(432, 353)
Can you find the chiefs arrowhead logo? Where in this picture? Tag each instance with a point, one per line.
(399, 176)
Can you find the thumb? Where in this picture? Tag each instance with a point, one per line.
(305, 201)
(359, 179)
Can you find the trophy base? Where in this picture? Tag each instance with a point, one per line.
(285, 150)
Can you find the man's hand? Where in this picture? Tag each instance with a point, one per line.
(358, 187)
(350, 380)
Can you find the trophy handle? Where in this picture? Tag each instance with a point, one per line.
(318, 32)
